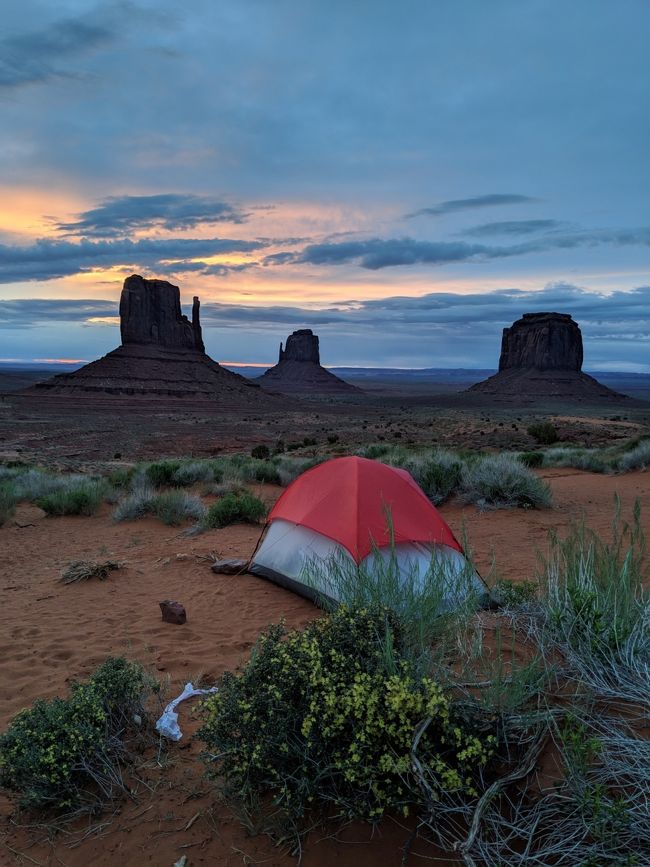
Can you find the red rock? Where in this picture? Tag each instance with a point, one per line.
(173, 612)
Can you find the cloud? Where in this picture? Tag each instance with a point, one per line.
(40, 55)
(513, 227)
(377, 253)
(32, 312)
(47, 260)
(439, 329)
(118, 216)
(491, 200)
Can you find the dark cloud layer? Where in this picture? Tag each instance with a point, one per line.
(377, 253)
(513, 227)
(37, 55)
(118, 216)
(491, 200)
(47, 260)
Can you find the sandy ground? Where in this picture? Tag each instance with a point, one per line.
(53, 633)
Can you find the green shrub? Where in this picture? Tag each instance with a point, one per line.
(121, 477)
(65, 754)
(7, 501)
(235, 509)
(438, 474)
(592, 460)
(196, 471)
(80, 498)
(513, 594)
(174, 507)
(162, 473)
(533, 460)
(260, 471)
(316, 722)
(502, 481)
(636, 459)
(261, 452)
(136, 505)
(544, 432)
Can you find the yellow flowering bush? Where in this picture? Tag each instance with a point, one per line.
(318, 720)
(62, 754)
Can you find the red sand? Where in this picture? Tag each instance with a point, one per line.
(53, 633)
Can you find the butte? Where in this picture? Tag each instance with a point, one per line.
(541, 357)
(299, 371)
(162, 357)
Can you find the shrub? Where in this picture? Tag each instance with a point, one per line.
(593, 460)
(544, 432)
(315, 721)
(260, 471)
(162, 473)
(533, 460)
(513, 594)
(121, 477)
(261, 452)
(196, 471)
(636, 459)
(502, 481)
(65, 754)
(7, 501)
(437, 474)
(34, 484)
(84, 570)
(290, 468)
(76, 498)
(234, 509)
(174, 507)
(137, 505)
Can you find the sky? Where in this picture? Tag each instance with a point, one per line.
(406, 178)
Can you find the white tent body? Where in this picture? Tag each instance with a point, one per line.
(297, 558)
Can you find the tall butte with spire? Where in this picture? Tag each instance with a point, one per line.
(299, 370)
(541, 357)
(162, 356)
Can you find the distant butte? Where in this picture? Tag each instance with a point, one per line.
(541, 356)
(299, 370)
(162, 356)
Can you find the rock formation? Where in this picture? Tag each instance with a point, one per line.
(162, 356)
(541, 356)
(299, 370)
(150, 313)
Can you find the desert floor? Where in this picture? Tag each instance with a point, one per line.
(53, 633)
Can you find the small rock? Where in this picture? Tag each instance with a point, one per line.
(230, 566)
(173, 612)
(182, 556)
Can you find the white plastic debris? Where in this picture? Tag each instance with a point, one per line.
(167, 725)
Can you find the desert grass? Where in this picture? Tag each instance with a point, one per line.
(234, 509)
(84, 570)
(502, 481)
(8, 500)
(172, 507)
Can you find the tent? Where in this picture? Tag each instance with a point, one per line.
(361, 513)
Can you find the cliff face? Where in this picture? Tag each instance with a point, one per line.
(541, 357)
(542, 341)
(150, 313)
(302, 345)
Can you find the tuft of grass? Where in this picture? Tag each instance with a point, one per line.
(195, 472)
(437, 473)
(636, 459)
(137, 504)
(8, 500)
(593, 460)
(74, 498)
(162, 474)
(234, 509)
(544, 432)
(503, 482)
(83, 570)
(174, 507)
(532, 460)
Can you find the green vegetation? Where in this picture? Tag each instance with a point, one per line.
(75, 498)
(502, 481)
(66, 755)
(171, 507)
(544, 432)
(317, 722)
(234, 509)
(261, 452)
(7, 501)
